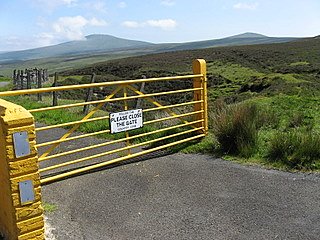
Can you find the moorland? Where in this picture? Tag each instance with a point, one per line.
(264, 100)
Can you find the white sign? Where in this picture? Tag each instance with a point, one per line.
(126, 120)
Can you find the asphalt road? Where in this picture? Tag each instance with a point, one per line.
(185, 197)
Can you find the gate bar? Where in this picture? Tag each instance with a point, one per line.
(71, 123)
(97, 133)
(171, 106)
(103, 164)
(128, 147)
(116, 141)
(75, 127)
(72, 138)
(107, 117)
(93, 85)
(112, 100)
(148, 122)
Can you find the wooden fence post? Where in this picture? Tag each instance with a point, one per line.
(39, 83)
(89, 95)
(45, 75)
(14, 77)
(55, 94)
(17, 85)
(28, 79)
(21, 79)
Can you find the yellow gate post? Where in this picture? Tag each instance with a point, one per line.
(199, 67)
(21, 212)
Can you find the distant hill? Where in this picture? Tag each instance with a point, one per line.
(299, 57)
(236, 40)
(99, 44)
(91, 44)
(249, 35)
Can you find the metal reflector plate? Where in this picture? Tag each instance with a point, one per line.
(26, 192)
(21, 144)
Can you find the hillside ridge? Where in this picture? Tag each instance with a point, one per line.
(102, 43)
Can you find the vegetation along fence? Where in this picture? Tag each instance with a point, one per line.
(127, 123)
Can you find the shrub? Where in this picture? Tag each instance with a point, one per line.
(236, 128)
(297, 148)
(299, 119)
(296, 120)
(267, 118)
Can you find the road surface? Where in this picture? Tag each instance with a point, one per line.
(183, 196)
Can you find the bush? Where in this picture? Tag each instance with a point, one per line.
(299, 119)
(236, 128)
(268, 118)
(296, 120)
(297, 148)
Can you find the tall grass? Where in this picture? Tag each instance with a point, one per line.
(298, 148)
(236, 128)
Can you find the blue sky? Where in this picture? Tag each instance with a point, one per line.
(35, 23)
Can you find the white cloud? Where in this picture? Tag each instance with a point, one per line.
(164, 24)
(131, 24)
(68, 2)
(168, 3)
(44, 39)
(122, 5)
(14, 43)
(65, 28)
(71, 28)
(57, 2)
(41, 22)
(98, 6)
(96, 22)
(52, 4)
(246, 6)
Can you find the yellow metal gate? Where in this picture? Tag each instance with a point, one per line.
(169, 118)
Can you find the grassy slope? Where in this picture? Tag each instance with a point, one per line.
(65, 63)
(5, 79)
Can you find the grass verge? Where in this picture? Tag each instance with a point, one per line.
(280, 132)
(49, 207)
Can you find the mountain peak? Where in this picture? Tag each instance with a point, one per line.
(103, 43)
(248, 35)
(97, 36)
